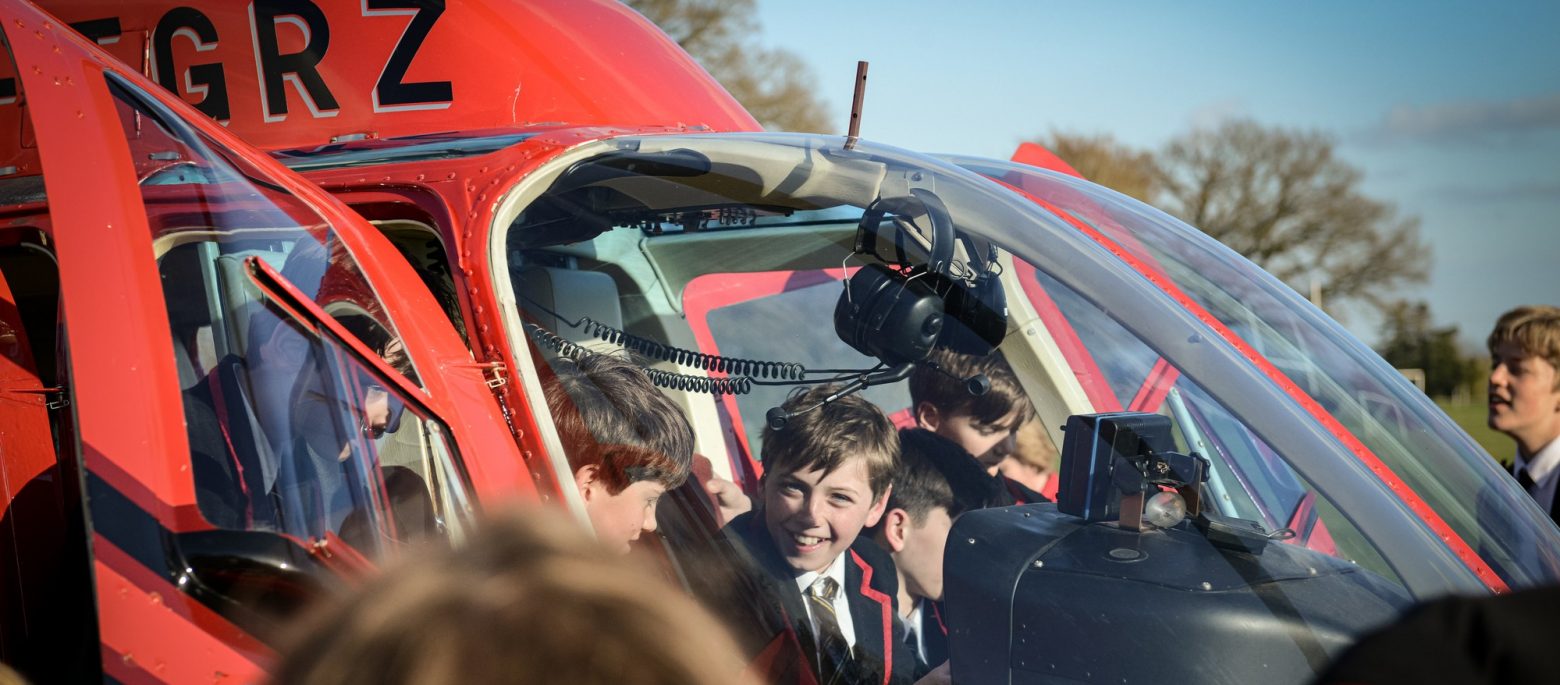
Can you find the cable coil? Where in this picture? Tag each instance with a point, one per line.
(734, 385)
(788, 371)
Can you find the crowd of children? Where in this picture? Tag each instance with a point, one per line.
(846, 534)
(853, 516)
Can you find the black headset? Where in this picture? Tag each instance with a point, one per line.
(898, 313)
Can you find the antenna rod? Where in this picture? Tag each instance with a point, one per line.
(855, 105)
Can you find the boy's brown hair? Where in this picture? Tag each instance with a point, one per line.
(936, 472)
(826, 437)
(530, 598)
(948, 393)
(1535, 329)
(609, 414)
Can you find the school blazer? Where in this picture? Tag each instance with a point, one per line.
(1554, 505)
(880, 656)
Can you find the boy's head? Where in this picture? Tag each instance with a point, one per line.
(827, 475)
(526, 599)
(1524, 400)
(626, 442)
(936, 482)
(1032, 458)
(943, 404)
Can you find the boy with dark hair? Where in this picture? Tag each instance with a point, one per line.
(981, 424)
(936, 482)
(626, 442)
(827, 475)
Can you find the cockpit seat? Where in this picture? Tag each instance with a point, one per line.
(556, 299)
(239, 295)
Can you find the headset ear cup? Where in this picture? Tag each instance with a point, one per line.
(980, 311)
(887, 315)
(851, 312)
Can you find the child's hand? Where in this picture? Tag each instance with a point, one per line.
(730, 502)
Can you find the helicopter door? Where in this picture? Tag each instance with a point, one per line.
(32, 520)
(153, 208)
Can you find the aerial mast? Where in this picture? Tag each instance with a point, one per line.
(855, 106)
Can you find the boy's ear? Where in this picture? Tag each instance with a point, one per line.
(875, 514)
(927, 416)
(587, 478)
(895, 523)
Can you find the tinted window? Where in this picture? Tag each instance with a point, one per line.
(290, 429)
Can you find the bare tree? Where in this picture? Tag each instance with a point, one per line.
(1283, 200)
(1103, 160)
(773, 84)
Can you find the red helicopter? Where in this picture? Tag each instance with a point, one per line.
(451, 193)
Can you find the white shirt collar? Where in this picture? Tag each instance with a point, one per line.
(916, 623)
(835, 570)
(1543, 464)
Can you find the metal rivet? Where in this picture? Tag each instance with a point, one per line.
(1039, 564)
(1207, 585)
(972, 541)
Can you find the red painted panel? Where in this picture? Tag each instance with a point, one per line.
(146, 635)
(24, 422)
(330, 68)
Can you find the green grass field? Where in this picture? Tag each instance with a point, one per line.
(1471, 417)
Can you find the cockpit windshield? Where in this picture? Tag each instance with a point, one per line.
(741, 270)
(1387, 419)
(740, 267)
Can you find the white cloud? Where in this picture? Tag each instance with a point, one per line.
(1534, 191)
(1472, 119)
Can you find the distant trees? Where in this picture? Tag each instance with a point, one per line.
(1410, 342)
(1278, 196)
(1103, 160)
(1282, 199)
(773, 84)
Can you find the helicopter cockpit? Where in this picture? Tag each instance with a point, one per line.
(738, 267)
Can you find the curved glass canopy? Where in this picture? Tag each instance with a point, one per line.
(725, 259)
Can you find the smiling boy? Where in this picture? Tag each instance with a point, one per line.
(827, 476)
(1524, 395)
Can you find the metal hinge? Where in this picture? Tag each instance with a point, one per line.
(60, 398)
(492, 372)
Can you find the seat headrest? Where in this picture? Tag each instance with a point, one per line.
(571, 294)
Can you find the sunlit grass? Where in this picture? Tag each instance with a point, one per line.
(1471, 415)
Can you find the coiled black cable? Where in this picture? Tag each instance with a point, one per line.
(742, 374)
(753, 368)
(789, 371)
(731, 385)
(734, 385)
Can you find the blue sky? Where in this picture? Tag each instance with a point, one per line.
(1451, 110)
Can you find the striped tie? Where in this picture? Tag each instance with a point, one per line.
(833, 650)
